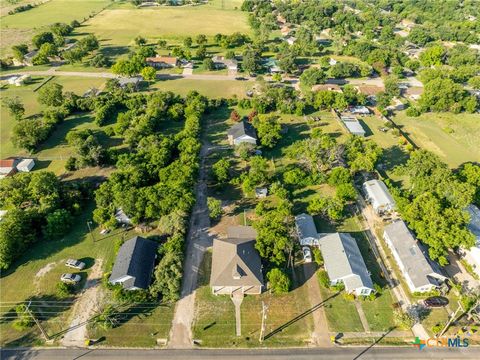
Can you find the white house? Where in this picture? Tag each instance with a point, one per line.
(420, 273)
(377, 194)
(306, 230)
(25, 165)
(472, 255)
(344, 263)
(242, 132)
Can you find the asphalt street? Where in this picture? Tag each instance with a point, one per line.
(350, 353)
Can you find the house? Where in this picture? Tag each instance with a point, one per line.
(92, 92)
(420, 273)
(134, 264)
(472, 255)
(344, 263)
(306, 230)
(327, 87)
(261, 192)
(25, 165)
(369, 90)
(242, 132)
(413, 92)
(8, 167)
(28, 57)
(19, 80)
(352, 125)
(236, 265)
(162, 62)
(397, 105)
(360, 110)
(272, 66)
(131, 81)
(377, 194)
(285, 31)
(221, 62)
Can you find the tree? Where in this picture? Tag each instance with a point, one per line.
(15, 107)
(214, 208)
(58, 223)
(173, 223)
(346, 192)
(338, 176)
(250, 61)
(391, 86)
(201, 39)
(149, 73)
(168, 277)
(268, 129)
(51, 94)
(162, 44)
(362, 154)
(187, 42)
(208, 64)
(140, 41)
(42, 38)
(201, 52)
(28, 134)
(221, 170)
(19, 51)
(442, 95)
(433, 56)
(279, 281)
(312, 76)
(23, 320)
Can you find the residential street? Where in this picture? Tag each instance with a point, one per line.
(351, 353)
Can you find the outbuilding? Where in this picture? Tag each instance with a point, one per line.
(377, 194)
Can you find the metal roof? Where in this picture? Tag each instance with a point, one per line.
(474, 225)
(378, 193)
(343, 260)
(415, 262)
(305, 226)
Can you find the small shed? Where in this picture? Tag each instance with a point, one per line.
(377, 194)
(261, 192)
(306, 230)
(25, 165)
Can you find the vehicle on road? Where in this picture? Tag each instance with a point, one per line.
(241, 78)
(70, 278)
(76, 264)
(307, 254)
(436, 301)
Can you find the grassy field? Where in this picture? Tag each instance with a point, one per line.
(454, 137)
(215, 317)
(20, 27)
(118, 26)
(210, 88)
(54, 152)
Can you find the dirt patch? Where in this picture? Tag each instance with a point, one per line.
(85, 306)
(44, 270)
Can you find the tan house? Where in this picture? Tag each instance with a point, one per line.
(161, 62)
(327, 87)
(236, 265)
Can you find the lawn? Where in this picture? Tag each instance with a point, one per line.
(54, 152)
(20, 27)
(454, 137)
(118, 26)
(210, 88)
(215, 317)
(35, 275)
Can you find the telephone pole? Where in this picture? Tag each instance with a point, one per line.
(45, 335)
(264, 321)
(90, 230)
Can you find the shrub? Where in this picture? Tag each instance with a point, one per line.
(317, 256)
(23, 320)
(214, 208)
(323, 278)
(348, 296)
(279, 281)
(64, 290)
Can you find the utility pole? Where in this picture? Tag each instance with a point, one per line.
(90, 230)
(264, 321)
(452, 317)
(45, 335)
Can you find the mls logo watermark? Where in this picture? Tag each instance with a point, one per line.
(451, 342)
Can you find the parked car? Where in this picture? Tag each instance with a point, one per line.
(70, 278)
(76, 264)
(307, 254)
(436, 301)
(241, 78)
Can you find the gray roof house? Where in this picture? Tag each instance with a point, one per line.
(134, 264)
(353, 125)
(344, 263)
(236, 265)
(378, 195)
(306, 230)
(420, 273)
(242, 132)
(472, 255)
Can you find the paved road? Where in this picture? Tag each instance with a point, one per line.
(352, 353)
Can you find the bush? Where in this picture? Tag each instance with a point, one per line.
(317, 256)
(348, 296)
(214, 208)
(279, 281)
(413, 112)
(402, 319)
(324, 279)
(64, 290)
(23, 320)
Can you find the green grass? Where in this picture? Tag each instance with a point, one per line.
(210, 88)
(428, 131)
(215, 317)
(20, 27)
(118, 26)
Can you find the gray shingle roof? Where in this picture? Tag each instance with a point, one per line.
(242, 128)
(418, 267)
(136, 258)
(235, 262)
(343, 260)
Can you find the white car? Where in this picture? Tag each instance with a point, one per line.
(76, 264)
(307, 254)
(70, 278)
